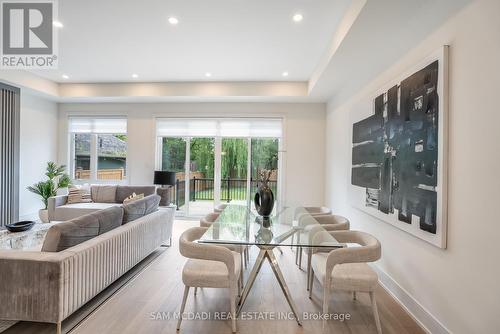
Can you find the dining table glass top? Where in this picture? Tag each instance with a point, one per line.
(287, 226)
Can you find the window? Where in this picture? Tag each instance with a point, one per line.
(98, 149)
(218, 160)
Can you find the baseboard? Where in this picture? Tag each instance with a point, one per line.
(422, 316)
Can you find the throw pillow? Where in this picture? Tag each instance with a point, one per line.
(133, 197)
(78, 195)
(140, 208)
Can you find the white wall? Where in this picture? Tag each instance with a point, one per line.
(38, 145)
(304, 131)
(456, 289)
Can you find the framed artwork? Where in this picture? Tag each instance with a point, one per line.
(399, 149)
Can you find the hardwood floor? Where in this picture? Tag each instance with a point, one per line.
(157, 293)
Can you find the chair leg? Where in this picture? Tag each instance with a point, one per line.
(375, 312)
(300, 257)
(311, 280)
(233, 311)
(58, 328)
(309, 255)
(183, 305)
(240, 283)
(326, 299)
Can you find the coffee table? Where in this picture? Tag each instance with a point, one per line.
(28, 240)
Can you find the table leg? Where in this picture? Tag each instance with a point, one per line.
(251, 278)
(281, 280)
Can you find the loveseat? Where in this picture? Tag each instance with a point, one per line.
(103, 197)
(79, 259)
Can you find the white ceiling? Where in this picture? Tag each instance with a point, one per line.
(234, 40)
(246, 44)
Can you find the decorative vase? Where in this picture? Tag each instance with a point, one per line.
(43, 214)
(264, 198)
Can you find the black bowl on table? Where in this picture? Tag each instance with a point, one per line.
(20, 226)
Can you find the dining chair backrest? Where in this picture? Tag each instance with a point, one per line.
(369, 249)
(318, 210)
(209, 219)
(219, 208)
(337, 222)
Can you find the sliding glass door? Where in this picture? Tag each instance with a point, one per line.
(218, 161)
(201, 176)
(173, 159)
(264, 156)
(234, 170)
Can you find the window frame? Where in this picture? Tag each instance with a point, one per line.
(94, 156)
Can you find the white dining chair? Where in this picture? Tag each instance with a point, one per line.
(325, 223)
(304, 212)
(208, 220)
(209, 266)
(318, 210)
(219, 208)
(346, 269)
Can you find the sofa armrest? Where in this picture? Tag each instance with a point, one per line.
(54, 202)
(31, 286)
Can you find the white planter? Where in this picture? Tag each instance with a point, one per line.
(43, 214)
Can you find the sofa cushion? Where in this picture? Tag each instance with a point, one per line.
(136, 209)
(122, 192)
(70, 211)
(103, 193)
(73, 232)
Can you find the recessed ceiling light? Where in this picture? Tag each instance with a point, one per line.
(208, 74)
(65, 76)
(135, 76)
(285, 74)
(58, 24)
(298, 17)
(173, 20)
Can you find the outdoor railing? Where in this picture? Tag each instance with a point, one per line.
(203, 189)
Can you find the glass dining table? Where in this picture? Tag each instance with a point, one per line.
(241, 225)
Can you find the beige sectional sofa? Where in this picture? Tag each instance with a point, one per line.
(79, 259)
(103, 197)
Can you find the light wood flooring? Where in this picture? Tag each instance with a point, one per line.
(159, 288)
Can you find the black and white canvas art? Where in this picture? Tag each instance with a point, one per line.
(398, 152)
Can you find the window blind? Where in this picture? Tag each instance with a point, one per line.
(176, 127)
(98, 125)
(241, 127)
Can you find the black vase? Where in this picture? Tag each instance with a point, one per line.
(264, 200)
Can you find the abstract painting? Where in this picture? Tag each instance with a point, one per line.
(398, 152)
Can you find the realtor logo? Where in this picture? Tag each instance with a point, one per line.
(28, 37)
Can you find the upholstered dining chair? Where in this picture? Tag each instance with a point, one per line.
(219, 208)
(346, 269)
(326, 223)
(311, 211)
(307, 221)
(209, 219)
(318, 210)
(209, 266)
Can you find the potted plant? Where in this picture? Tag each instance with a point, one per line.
(45, 189)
